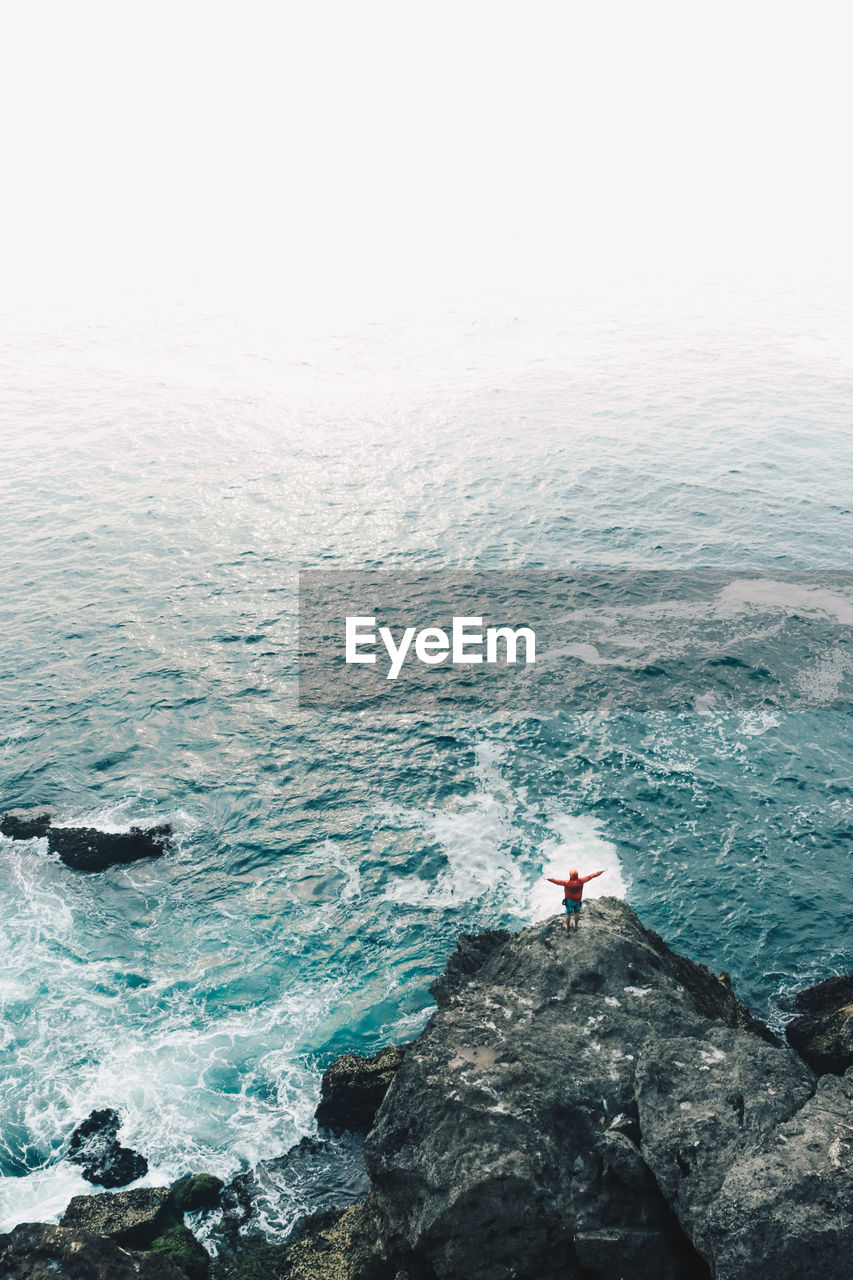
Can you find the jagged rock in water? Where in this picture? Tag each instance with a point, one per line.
(353, 1087)
(237, 1203)
(39, 1251)
(822, 1030)
(95, 1146)
(584, 1106)
(575, 1107)
(132, 1218)
(25, 824)
(86, 848)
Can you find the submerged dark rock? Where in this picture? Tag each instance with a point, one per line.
(353, 1088)
(86, 848)
(95, 1146)
(237, 1203)
(326, 1174)
(40, 1251)
(822, 1030)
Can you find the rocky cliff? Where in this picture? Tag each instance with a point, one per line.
(592, 1104)
(584, 1106)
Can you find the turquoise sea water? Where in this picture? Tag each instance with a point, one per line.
(160, 493)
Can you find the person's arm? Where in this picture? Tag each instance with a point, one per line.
(594, 874)
(562, 882)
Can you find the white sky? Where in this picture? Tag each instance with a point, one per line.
(308, 154)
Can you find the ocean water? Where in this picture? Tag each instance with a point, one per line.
(163, 485)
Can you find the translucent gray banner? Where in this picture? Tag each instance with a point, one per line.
(537, 641)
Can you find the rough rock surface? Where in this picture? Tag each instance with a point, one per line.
(39, 1251)
(785, 1211)
(472, 952)
(132, 1218)
(95, 1146)
(329, 1246)
(705, 1100)
(25, 824)
(575, 1108)
(85, 848)
(822, 1031)
(353, 1088)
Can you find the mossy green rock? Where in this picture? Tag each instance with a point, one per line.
(197, 1191)
(180, 1245)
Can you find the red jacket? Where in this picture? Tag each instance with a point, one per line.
(574, 888)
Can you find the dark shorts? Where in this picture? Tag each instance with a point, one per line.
(572, 907)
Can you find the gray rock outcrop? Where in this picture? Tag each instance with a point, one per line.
(40, 1251)
(785, 1208)
(705, 1102)
(132, 1218)
(593, 1105)
(353, 1087)
(146, 1218)
(822, 1029)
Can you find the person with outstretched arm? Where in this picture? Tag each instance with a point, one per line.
(573, 890)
